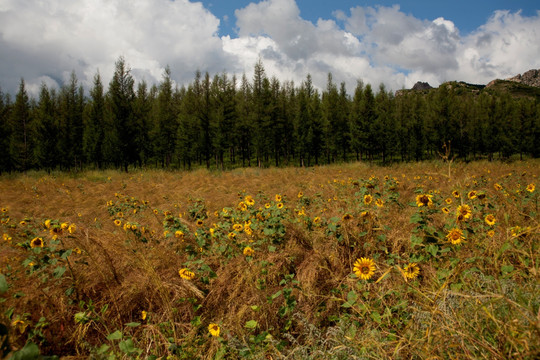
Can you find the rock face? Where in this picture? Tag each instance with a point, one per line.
(531, 78)
(421, 86)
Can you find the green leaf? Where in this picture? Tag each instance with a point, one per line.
(3, 284)
(432, 249)
(507, 269)
(133, 324)
(59, 271)
(30, 351)
(103, 348)
(117, 335)
(352, 296)
(271, 248)
(251, 324)
(376, 317)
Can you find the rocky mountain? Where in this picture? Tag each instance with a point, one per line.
(521, 85)
(531, 78)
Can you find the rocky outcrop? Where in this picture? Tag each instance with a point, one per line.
(421, 86)
(531, 78)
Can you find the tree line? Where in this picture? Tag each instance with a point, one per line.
(224, 122)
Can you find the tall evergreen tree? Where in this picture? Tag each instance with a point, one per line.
(20, 141)
(121, 118)
(94, 123)
(45, 130)
(167, 120)
(5, 132)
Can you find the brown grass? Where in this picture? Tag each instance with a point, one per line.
(127, 276)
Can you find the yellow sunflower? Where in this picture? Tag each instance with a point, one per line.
(36, 242)
(249, 200)
(530, 188)
(364, 268)
(214, 329)
(280, 205)
(490, 219)
(238, 227)
(231, 235)
(455, 193)
(465, 211)
(472, 194)
(117, 222)
(455, 236)
(186, 274)
(368, 199)
(445, 210)
(317, 220)
(411, 271)
(379, 202)
(248, 251)
(491, 233)
(278, 197)
(497, 187)
(424, 200)
(346, 217)
(179, 234)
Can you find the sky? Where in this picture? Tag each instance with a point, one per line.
(395, 43)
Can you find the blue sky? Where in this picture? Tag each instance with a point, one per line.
(468, 15)
(379, 42)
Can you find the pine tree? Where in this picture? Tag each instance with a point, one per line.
(94, 124)
(166, 119)
(5, 133)
(20, 146)
(121, 118)
(45, 130)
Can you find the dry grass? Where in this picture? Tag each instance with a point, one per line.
(296, 298)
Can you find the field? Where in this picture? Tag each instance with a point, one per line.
(429, 260)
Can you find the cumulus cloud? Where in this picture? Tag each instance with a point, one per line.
(56, 37)
(44, 41)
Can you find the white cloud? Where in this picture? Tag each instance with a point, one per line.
(46, 40)
(57, 36)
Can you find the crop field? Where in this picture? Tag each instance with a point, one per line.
(428, 260)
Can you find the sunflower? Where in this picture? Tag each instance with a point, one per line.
(300, 194)
(424, 200)
(36, 242)
(368, 199)
(267, 205)
(117, 222)
(448, 201)
(364, 214)
(72, 228)
(199, 222)
(490, 220)
(445, 210)
(242, 206)
(47, 223)
(156, 211)
(455, 236)
(491, 233)
(179, 234)
(143, 315)
(411, 271)
(364, 268)
(379, 202)
(346, 217)
(248, 230)
(278, 197)
(64, 226)
(231, 235)
(186, 274)
(465, 211)
(530, 188)
(248, 251)
(4, 210)
(238, 227)
(249, 200)
(455, 193)
(214, 329)
(317, 220)
(280, 205)
(497, 187)
(22, 223)
(472, 194)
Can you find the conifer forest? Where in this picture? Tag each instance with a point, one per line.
(222, 122)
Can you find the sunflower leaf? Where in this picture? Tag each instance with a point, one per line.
(3, 284)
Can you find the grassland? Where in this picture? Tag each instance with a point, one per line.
(264, 264)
